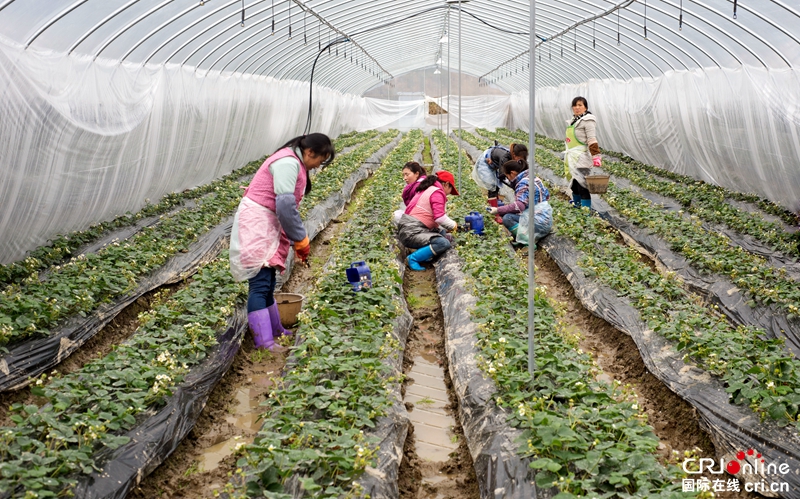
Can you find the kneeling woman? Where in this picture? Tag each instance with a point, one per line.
(424, 224)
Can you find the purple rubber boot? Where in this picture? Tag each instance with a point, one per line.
(261, 325)
(275, 319)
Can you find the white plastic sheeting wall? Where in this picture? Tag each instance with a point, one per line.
(738, 128)
(83, 141)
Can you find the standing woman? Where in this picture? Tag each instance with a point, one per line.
(265, 223)
(583, 152)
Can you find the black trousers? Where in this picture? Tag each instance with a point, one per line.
(579, 190)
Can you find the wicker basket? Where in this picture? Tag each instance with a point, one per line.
(597, 184)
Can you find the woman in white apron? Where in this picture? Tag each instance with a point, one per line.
(267, 223)
(583, 152)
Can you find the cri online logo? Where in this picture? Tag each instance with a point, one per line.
(742, 463)
(734, 467)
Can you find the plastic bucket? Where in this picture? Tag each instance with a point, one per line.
(289, 305)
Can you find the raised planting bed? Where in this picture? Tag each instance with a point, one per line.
(62, 247)
(744, 388)
(721, 210)
(744, 339)
(96, 277)
(749, 290)
(579, 436)
(96, 431)
(746, 288)
(336, 424)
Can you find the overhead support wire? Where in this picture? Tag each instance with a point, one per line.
(341, 33)
(563, 32)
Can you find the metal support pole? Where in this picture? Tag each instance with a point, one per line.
(459, 95)
(532, 149)
(447, 142)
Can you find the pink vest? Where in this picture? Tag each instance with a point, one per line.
(262, 187)
(262, 191)
(421, 207)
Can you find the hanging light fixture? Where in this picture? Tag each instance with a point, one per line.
(437, 72)
(439, 60)
(444, 39)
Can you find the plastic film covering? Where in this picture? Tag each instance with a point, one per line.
(161, 433)
(493, 443)
(718, 289)
(86, 141)
(746, 241)
(736, 128)
(732, 428)
(322, 214)
(24, 362)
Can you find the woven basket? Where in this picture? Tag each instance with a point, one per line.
(597, 184)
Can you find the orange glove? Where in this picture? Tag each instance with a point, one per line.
(302, 249)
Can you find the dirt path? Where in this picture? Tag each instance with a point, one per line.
(201, 463)
(675, 421)
(427, 472)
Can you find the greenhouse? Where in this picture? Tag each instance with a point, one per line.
(452, 249)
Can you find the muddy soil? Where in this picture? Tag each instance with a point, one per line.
(420, 478)
(114, 333)
(201, 463)
(675, 421)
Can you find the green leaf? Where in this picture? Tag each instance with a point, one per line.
(309, 484)
(546, 464)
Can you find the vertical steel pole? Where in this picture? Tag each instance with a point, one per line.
(447, 142)
(459, 94)
(532, 149)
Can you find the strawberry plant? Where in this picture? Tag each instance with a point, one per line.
(318, 417)
(86, 411)
(585, 437)
(33, 306)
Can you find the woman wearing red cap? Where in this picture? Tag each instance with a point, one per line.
(424, 224)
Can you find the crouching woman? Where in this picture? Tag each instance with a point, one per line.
(514, 213)
(424, 224)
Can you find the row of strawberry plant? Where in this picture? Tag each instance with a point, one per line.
(758, 372)
(332, 178)
(62, 246)
(84, 412)
(708, 251)
(32, 307)
(353, 138)
(316, 419)
(586, 438)
(705, 200)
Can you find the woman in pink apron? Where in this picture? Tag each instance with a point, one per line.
(267, 223)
